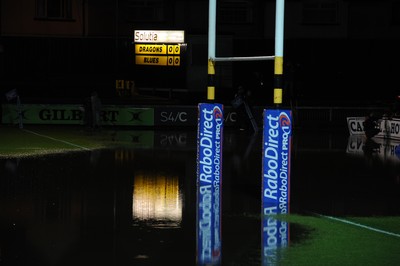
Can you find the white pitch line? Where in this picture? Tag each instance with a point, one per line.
(360, 225)
(59, 140)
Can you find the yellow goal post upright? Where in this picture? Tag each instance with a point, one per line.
(275, 157)
(278, 57)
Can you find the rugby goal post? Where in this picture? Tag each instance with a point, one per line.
(278, 57)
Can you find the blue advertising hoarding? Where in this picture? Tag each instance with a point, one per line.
(209, 183)
(277, 141)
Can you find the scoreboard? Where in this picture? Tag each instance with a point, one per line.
(158, 48)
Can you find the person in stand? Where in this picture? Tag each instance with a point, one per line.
(292, 82)
(245, 116)
(396, 107)
(92, 111)
(371, 126)
(96, 108)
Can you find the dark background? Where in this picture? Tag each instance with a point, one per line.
(341, 50)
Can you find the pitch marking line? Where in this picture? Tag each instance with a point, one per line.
(59, 140)
(360, 225)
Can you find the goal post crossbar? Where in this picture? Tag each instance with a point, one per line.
(243, 58)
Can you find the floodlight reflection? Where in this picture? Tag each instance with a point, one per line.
(157, 200)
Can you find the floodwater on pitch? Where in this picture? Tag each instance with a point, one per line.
(137, 205)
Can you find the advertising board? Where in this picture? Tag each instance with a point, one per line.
(209, 182)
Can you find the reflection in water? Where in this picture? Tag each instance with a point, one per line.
(11, 166)
(157, 198)
(77, 209)
(274, 236)
(209, 237)
(40, 211)
(385, 149)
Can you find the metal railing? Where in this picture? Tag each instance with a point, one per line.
(329, 115)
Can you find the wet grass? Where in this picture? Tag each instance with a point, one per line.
(331, 242)
(390, 224)
(41, 140)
